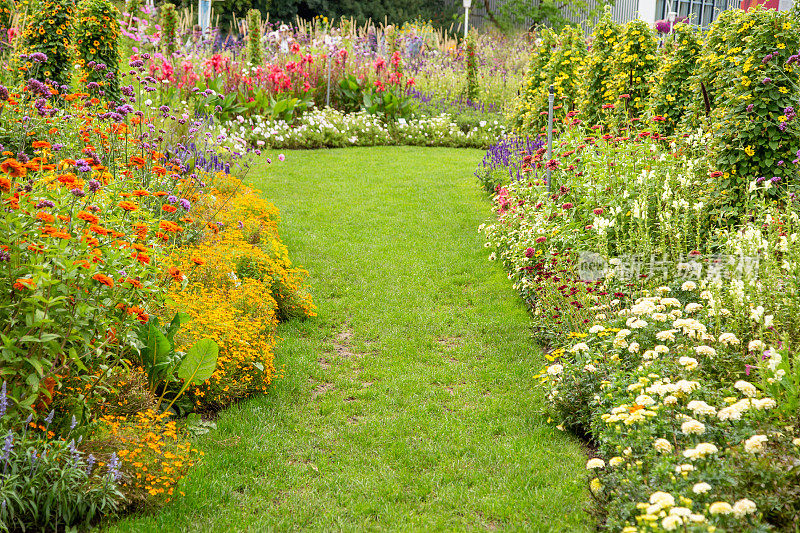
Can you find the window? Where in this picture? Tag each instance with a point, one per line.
(700, 12)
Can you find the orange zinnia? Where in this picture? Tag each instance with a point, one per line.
(142, 258)
(41, 144)
(169, 208)
(13, 168)
(88, 217)
(134, 282)
(24, 283)
(100, 230)
(160, 193)
(5, 184)
(176, 274)
(46, 217)
(197, 261)
(128, 206)
(137, 161)
(141, 192)
(166, 225)
(105, 280)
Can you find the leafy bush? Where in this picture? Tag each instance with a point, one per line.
(96, 37)
(597, 83)
(254, 37)
(634, 64)
(49, 32)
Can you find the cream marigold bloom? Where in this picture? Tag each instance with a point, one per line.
(662, 499)
(689, 362)
(597, 328)
(729, 339)
(693, 307)
(699, 407)
(671, 522)
(670, 400)
(580, 347)
(555, 369)
(633, 347)
(706, 448)
(661, 349)
(693, 427)
(670, 302)
(590, 368)
(748, 389)
(701, 488)
(765, 403)
(708, 351)
(756, 346)
(666, 335)
(616, 461)
(595, 463)
(662, 445)
(688, 286)
(720, 508)
(743, 507)
(595, 486)
(755, 444)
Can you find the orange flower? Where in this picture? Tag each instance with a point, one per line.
(41, 144)
(88, 217)
(141, 316)
(139, 247)
(60, 235)
(169, 208)
(13, 168)
(176, 274)
(141, 192)
(105, 280)
(128, 206)
(24, 283)
(67, 179)
(46, 217)
(197, 261)
(160, 193)
(82, 263)
(100, 230)
(134, 282)
(166, 225)
(5, 184)
(159, 170)
(142, 258)
(137, 161)
(63, 218)
(91, 241)
(162, 236)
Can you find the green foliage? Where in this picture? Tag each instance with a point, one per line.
(550, 13)
(472, 70)
(747, 139)
(596, 85)
(50, 485)
(634, 64)
(7, 10)
(169, 23)
(536, 81)
(351, 93)
(567, 66)
(97, 40)
(49, 31)
(254, 53)
(394, 12)
(672, 93)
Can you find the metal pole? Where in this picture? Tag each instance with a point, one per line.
(328, 94)
(466, 22)
(550, 97)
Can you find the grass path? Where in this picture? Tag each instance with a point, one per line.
(409, 403)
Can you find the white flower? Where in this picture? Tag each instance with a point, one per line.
(555, 369)
(757, 313)
(595, 463)
(701, 488)
(743, 507)
(662, 499)
(765, 403)
(708, 351)
(590, 368)
(616, 461)
(706, 448)
(699, 407)
(693, 307)
(756, 346)
(597, 328)
(670, 400)
(720, 508)
(661, 349)
(671, 522)
(689, 362)
(688, 286)
(670, 302)
(644, 400)
(755, 444)
(768, 321)
(662, 445)
(728, 339)
(748, 389)
(623, 333)
(580, 347)
(691, 454)
(693, 427)
(667, 335)
(663, 290)
(633, 347)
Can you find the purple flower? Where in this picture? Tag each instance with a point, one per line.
(73, 423)
(44, 203)
(749, 108)
(765, 81)
(8, 445)
(113, 466)
(57, 147)
(747, 369)
(89, 464)
(93, 185)
(83, 165)
(3, 400)
(4, 256)
(776, 179)
(172, 198)
(240, 224)
(49, 418)
(185, 204)
(38, 57)
(759, 180)
(78, 193)
(3, 93)
(782, 126)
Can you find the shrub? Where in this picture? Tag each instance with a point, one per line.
(472, 70)
(536, 82)
(597, 83)
(254, 54)
(169, 23)
(634, 64)
(49, 32)
(672, 92)
(96, 37)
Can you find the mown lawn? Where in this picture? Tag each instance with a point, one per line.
(409, 403)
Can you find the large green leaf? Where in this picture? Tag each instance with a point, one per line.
(200, 362)
(155, 355)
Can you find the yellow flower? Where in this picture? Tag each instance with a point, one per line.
(749, 150)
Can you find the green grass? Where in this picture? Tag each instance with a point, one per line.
(409, 403)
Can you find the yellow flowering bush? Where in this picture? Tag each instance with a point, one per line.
(596, 85)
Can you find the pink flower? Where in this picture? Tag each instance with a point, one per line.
(281, 157)
(598, 211)
(529, 252)
(568, 205)
(540, 240)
